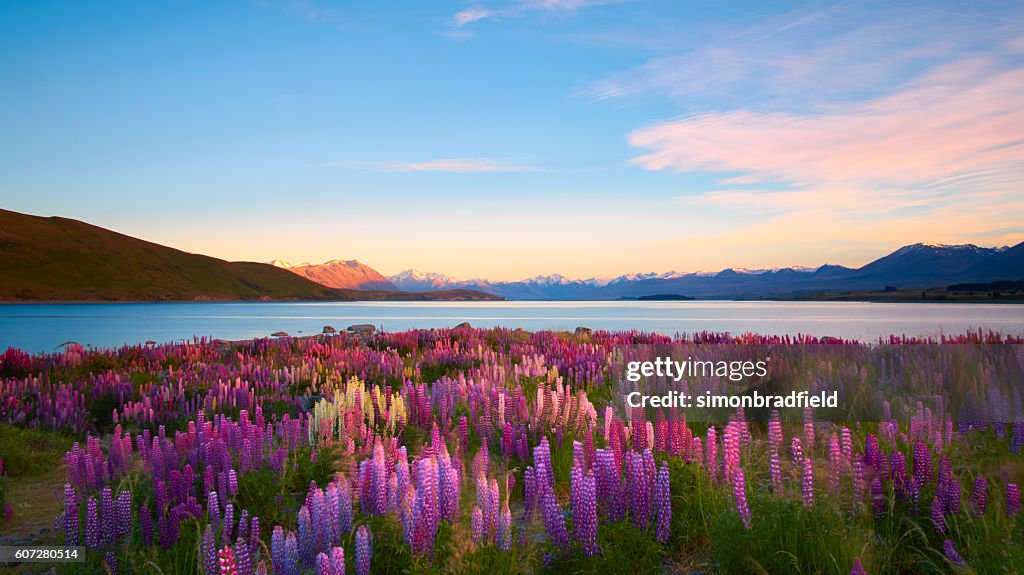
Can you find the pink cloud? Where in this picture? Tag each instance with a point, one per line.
(960, 122)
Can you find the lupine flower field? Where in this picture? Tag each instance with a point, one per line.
(503, 451)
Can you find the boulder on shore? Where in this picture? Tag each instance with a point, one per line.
(464, 325)
(362, 328)
(279, 334)
(583, 330)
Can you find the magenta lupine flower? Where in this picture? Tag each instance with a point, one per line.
(226, 561)
(797, 451)
(338, 562)
(1012, 499)
(775, 431)
(775, 472)
(857, 568)
(70, 526)
(835, 464)
(92, 524)
(979, 498)
(951, 553)
(808, 483)
(323, 565)
(209, 550)
(662, 504)
(938, 517)
(477, 525)
(364, 550)
(739, 492)
(711, 454)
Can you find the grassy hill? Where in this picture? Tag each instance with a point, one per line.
(61, 259)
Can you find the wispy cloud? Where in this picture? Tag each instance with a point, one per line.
(449, 165)
(479, 12)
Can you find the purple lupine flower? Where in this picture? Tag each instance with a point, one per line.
(878, 497)
(146, 526)
(291, 555)
(953, 496)
(584, 508)
(110, 560)
(227, 526)
(277, 551)
(338, 562)
(857, 568)
(951, 553)
(364, 550)
(243, 559)
(70, 526)
(209, 550)
(92, 524)
(938, 517)
(662, 504)
(504, 534)
(344, 505)
(124, 513)
(1012, 499)
(307, 542)
(979, 498)
(477, 525)
(808, 483)
(213, 507)
(108, 531)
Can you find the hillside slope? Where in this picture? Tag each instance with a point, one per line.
(60, 259)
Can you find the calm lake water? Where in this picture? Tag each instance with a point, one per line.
(42, 327)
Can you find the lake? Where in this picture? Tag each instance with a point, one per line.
(42, 327)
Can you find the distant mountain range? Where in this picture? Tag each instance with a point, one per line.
(62, 259)
(913, 266)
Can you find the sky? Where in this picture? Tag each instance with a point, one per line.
(505, 139)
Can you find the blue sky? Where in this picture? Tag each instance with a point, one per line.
(514, 138)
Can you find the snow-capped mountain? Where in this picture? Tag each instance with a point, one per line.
(347, 274)
(913, 266)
